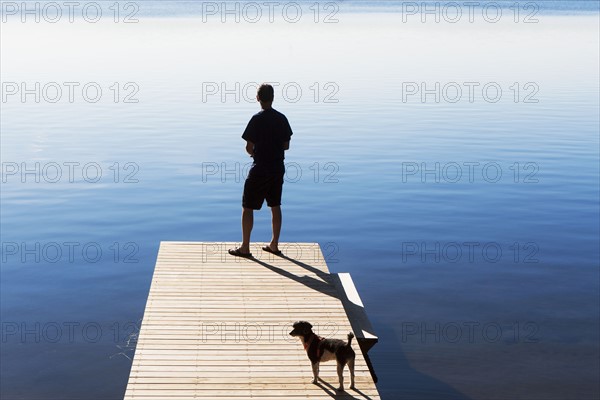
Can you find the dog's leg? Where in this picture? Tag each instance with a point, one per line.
(315, 368)
(340, 372)
(351, 368)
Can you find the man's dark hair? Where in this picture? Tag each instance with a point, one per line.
(266, 93)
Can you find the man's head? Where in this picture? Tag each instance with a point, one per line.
(265, 95)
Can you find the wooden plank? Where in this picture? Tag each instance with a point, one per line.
(217, 326)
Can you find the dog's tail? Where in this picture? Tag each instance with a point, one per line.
(350, 336)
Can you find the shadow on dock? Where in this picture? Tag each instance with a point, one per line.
(331, 391)
(174, 358)
(323, 285)
(326, 286)
(393, 365)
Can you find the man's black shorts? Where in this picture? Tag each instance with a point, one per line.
(259, 187)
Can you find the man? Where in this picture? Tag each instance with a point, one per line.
(267, 137)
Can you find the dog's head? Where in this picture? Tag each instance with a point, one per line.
(301, 328)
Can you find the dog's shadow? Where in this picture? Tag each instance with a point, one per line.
(323, 283)
(347, 394)
(396, 367)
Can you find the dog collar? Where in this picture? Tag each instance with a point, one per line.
(308, 346)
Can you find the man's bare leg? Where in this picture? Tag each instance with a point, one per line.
(276, 224)
(247, 224)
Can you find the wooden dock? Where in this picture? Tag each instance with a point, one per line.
(217, 326)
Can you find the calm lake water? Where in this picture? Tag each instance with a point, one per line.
(451, 166)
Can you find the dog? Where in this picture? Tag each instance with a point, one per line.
(320, 350)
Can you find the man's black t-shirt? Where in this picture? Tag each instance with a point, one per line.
(268, 130)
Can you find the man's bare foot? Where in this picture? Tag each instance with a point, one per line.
(274, 246)
(240, 252)
(272, 249)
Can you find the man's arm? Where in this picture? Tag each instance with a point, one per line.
(250, 148)
(288, 134)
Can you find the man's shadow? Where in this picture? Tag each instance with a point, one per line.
(323, 284)
(397, 379)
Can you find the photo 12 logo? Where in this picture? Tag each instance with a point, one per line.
(69, 172)
(469, 252)
(53, 12)
(317, 172)
(270, 11)
(68, 332)
(469, 332)
(328, 252)
(453, 12)
(72, 252)
(469, 172)
(256, 332)
(471, 92)
(289, 92)
(69, 92)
